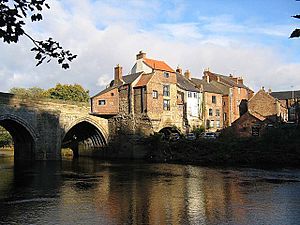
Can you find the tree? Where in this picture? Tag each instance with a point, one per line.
(34, 92)
(12, 16)
(68, 92)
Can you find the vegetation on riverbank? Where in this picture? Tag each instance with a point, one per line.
(279, 147)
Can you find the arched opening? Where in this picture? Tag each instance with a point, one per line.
(84, 139)
(167, 131)
(22, 141)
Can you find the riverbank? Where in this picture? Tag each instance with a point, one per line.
(278, 148)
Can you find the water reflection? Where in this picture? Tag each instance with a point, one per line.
(86, 191)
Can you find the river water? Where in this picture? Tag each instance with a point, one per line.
(88, 191)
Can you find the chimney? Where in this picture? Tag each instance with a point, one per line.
(240, 80)
(269, 90)
(206, 77)
(235, 79)
(118, 75)
(179, 70)
(141, 55)
(187, 74)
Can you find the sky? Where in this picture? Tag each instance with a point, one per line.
(248, 38)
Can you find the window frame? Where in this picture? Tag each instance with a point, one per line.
(155, 94)
(214, 99)
(101, 100)
(166, 104)
(166, 93)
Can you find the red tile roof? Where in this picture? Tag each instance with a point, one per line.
(158, 65)
(145, 78)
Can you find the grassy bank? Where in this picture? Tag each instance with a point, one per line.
(279, 147)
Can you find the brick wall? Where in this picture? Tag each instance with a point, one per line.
(111, 106)
(208, 104)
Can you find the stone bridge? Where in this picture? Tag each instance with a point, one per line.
(40, 128)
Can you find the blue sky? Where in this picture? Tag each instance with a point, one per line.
(246, 38)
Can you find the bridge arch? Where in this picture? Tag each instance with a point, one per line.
(84, 136)
(24, 136)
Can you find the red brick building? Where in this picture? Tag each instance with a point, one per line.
(234, 92)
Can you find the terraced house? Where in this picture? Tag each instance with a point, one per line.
(234, 93)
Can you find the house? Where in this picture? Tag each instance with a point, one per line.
(234, 92)
(291, 101)
(263, 111)
(189, 101)
(266, 105)
(211, 105)
(116, 98)
(247, 125)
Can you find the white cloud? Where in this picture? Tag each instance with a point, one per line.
(104, 35)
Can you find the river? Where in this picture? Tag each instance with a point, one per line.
(88, 191)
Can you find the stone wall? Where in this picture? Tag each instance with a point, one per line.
(46, 121)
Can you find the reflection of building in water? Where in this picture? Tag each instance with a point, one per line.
(222, 196)
(195, 196)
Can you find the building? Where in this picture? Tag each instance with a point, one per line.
(263, 111)
(146, 98)
(291, 101)
(266, 105)
(234, 93)
(211, 105)
(116, 98)
(189, 101)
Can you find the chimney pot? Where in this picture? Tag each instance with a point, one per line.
(179, 70)
(141, 55)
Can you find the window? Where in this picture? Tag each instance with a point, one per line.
(212, 123)
(155, 94)
(213, 99)
(166, 75)
(189, 94)
(217, 112)
(101, 102)
(195, 95)
(166, 104)
(112, 94)
(166, 90)
(225, 116)
(210, 112)
(218, 123)
(239, 91)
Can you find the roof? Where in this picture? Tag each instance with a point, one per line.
(185, 83)
(257, 115)
(158, 65)
(207, 87)
(282, 95)
(223, 87)
(228, 80)
(145, 78)
(128, 79)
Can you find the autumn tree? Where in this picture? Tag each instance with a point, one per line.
(13, 14)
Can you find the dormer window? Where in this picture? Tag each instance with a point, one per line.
(166, 75)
